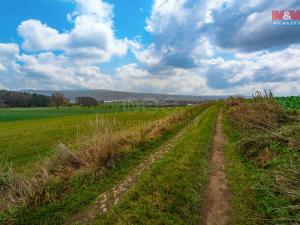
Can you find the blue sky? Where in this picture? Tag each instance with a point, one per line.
(193, 47)
(129, 16)
(13, 12)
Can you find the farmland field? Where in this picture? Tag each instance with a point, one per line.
(29, 135)
(292, 102)
(52, 112)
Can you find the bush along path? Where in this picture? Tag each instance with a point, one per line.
(111, 197)
(170, 192)
(216, 207)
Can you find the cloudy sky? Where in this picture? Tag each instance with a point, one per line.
(193, 47)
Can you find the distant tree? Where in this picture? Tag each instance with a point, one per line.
(57, 99)
(67, 102)
(86, 101)
(40, 100)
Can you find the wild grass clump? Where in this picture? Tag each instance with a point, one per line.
(99, 153)
(261, 112)
(262, 121)
(269, 138)
(12, 186)
(64, 160)
(16, 190)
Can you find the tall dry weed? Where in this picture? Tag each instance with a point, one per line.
(261, 112)
(262, 121)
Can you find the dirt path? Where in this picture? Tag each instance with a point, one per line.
(110, 198)
(216, 206)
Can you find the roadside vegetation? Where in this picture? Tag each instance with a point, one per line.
(263, 160)
(171, 192)
(25, 143)
(71, 179)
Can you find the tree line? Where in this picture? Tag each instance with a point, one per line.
(24, 99)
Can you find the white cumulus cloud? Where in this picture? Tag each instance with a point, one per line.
(92, 40)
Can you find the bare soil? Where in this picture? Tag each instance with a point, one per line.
(216, 206)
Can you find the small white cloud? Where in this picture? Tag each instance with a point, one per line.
(146, 55)
(98, 8)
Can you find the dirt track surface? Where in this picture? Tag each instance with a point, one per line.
(110, 198)
(216, 206)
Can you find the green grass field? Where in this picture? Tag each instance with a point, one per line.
(12, 114)
(25, 143)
